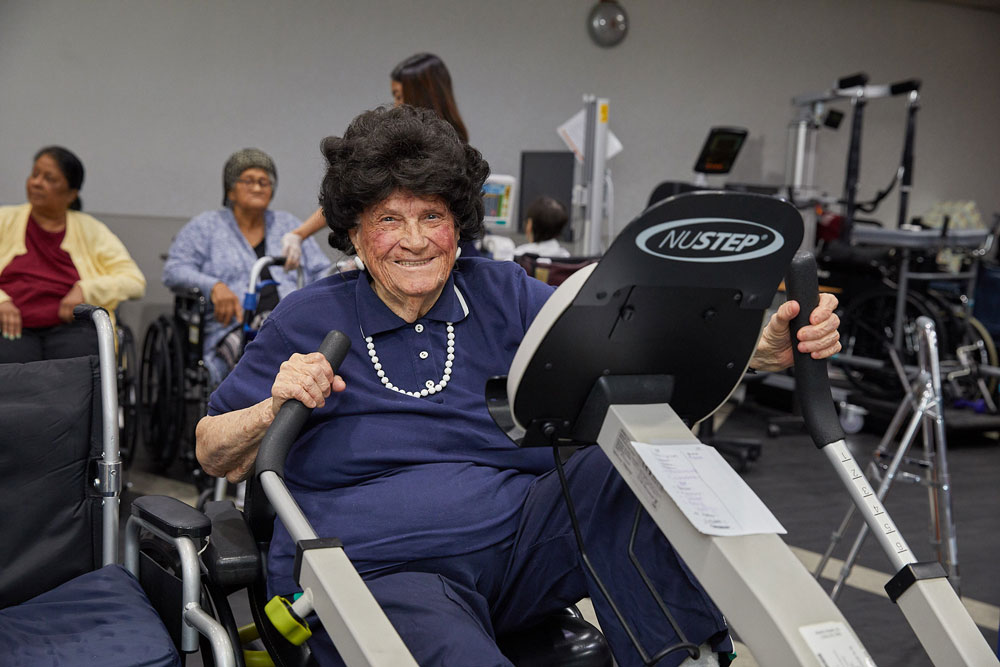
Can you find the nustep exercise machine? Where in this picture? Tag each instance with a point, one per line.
(639, 348)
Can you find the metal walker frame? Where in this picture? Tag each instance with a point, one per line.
(924, 401)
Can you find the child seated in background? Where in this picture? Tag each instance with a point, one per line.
(544, 221)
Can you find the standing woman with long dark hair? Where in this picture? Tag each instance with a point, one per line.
(422, 80)
(54, 257)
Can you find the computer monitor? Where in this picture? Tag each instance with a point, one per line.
(547, 173)
(499, 197)
(720, 150)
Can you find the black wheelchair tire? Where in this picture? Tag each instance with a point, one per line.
(866, 330)
(959, 329)
(161, 392)
(128, 395)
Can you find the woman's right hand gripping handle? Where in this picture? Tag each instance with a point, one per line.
(295, 406)
(812, 384)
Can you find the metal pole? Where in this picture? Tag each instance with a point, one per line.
(109, 481)
(940, 475)
(883, 490)
(587, 173)
(595, 158)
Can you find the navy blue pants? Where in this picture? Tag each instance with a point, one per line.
(449, 611)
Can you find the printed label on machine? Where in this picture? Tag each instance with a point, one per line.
(835, 645)
(713, 497)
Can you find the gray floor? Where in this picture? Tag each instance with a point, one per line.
(797, 483)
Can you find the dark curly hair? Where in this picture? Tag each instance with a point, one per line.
(403, 148)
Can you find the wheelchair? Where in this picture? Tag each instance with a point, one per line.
(908, 282)
(175, 383)
(64, 597)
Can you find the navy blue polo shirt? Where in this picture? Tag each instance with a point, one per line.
(396, 477)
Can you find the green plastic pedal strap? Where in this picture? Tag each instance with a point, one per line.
(286, 621)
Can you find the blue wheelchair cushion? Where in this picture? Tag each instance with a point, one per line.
(99, 618)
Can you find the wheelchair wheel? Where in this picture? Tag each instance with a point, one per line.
(964, 344)
(979, 332)
(128, 394)
(161, 391)
(867, 330)
(975, 342)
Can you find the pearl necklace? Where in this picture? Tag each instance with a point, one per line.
(423, 392)
(449, 360)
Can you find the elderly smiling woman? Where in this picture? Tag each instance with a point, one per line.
(459, 534)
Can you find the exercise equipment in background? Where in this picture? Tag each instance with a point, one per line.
(813, 113)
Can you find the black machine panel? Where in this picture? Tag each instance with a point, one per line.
(680, 294)
(547, 173)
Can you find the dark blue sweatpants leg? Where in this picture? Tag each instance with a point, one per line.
(442, 622)
(545, 569)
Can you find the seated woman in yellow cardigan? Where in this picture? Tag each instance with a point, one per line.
(54, 257)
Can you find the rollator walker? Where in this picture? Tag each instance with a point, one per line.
(639, 348)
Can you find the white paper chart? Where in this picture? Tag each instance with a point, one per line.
(713, 497)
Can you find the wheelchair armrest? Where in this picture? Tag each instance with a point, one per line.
(232, 557)
(171, 516)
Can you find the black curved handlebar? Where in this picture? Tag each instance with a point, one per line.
(293, 414)
(811, 381)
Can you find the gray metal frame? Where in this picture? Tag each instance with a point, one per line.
(194, 619)
(109, 468)
(763, 589)
(924, 399)
(594, 174)
(332, 588)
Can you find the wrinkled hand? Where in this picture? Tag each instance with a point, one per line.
(291, 249)
(73, 298)
(10, 320)
(226, 304)
(307, 378)
(820, 338)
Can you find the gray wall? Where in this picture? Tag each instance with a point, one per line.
(155, 95)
